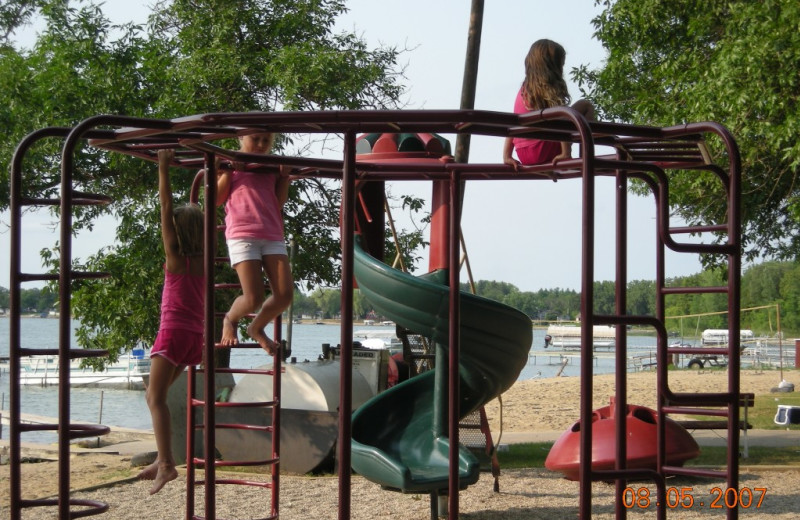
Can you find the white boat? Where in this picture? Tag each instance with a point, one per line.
(569, 336)
(377, 339)
(719, 337)
(127, 372)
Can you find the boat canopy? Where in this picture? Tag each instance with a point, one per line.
(598, 331)
(720, 336)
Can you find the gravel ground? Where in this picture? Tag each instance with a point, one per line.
(534, 405)
(524, 494)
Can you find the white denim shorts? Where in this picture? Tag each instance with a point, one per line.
(241, 249)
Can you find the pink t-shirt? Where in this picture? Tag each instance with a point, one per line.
(533, 151)
(252, 210)
(183, 301)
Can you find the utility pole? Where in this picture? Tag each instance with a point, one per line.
(470, 76)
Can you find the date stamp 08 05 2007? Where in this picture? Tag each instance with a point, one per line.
(684, 498)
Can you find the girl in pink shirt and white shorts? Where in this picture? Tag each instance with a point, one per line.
(254, 234)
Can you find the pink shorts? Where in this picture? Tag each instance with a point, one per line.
(179, 347)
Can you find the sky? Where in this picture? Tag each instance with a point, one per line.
(526, 233)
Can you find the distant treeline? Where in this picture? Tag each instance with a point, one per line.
(31, 300)
(764, 287)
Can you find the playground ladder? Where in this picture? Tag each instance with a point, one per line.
(724, 404)
(646, 154)
(68, 507)
(208, 404)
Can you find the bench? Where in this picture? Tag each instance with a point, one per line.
(712, 425)
(746, 401)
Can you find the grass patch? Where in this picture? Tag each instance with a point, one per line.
(533, 455)
(527, 455)
(756, 456)
(762, 415)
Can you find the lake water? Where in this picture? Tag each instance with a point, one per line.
(128, 408)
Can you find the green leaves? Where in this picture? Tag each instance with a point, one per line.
(194, 56)
(731, 62)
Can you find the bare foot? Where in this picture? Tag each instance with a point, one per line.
(164, 475)
(150, 472)
(229, 332)
(264, 342)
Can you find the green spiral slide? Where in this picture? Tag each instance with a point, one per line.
(395, 439)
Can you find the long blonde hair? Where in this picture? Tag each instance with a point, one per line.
(188, 220)
(544, 84)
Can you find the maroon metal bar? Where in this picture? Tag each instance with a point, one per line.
(65, 312)
(587, 308)
(346, 361)
(191, 427)
(730, 398)
(734, 306)
(346, 120)
(209, 389)
(273, 458)
(64, 308)
(208, 330)
(276, 420)
(454, 325)
(662, 222)
(15, 263)
(621, 354)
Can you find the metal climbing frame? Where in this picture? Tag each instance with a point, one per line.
(650, 155)
(71, 507)
(68, 507)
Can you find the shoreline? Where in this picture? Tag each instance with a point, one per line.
(552, 403)
(532, 410)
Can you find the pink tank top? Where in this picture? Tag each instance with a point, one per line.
(183, 301)
(252, 210)
(533, 151)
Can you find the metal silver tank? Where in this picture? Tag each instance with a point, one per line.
(309, 415)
